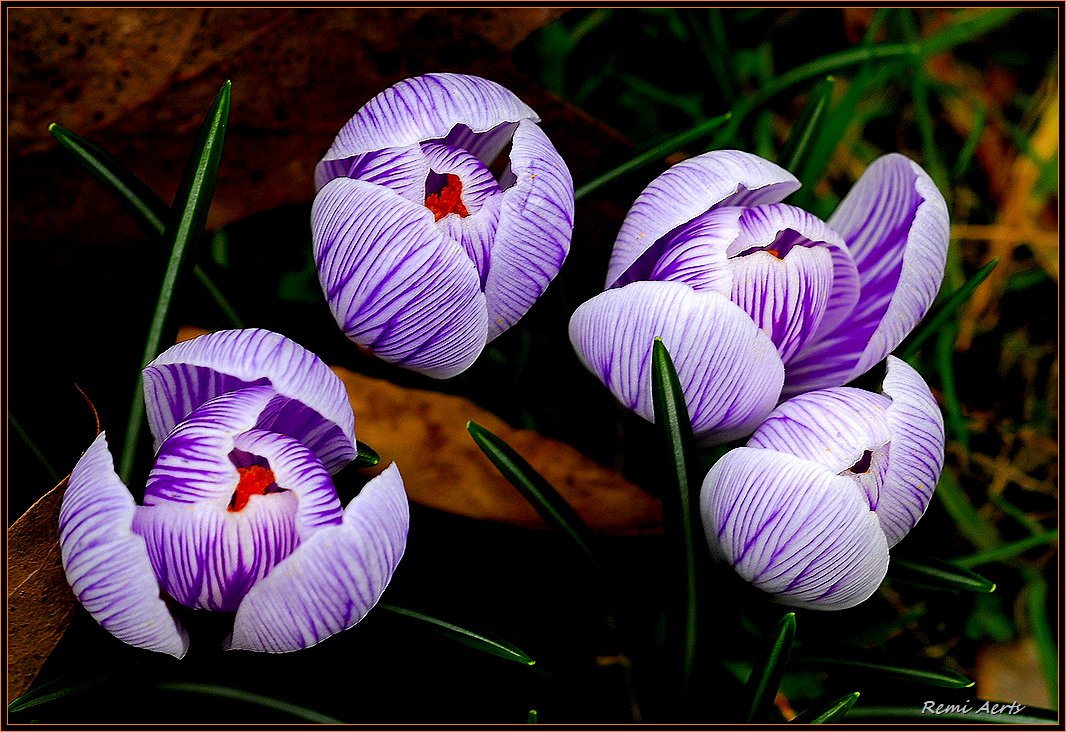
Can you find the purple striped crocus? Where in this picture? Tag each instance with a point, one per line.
(757, 300)
(830, 481)
(239, 513)
(424, 251)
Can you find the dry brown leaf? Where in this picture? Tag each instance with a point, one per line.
(39, 601)
(1011, 672)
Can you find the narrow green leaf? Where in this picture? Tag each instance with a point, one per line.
(148, 210)
(650, 156)
(679, 522)
(936, 574)
(367, 456)
(801, 138)
(830, 712)
(498, 648)
(978, 711)
(967, 27)
(954, 419)
(552, 507)
(980, 532)
(531, 718)
(1047, 650)
(951, 305)
(57, 689)
(1008, 550)
(53, 474)
(767, 672)
(943, 677)
(228, 692)
(190, 213)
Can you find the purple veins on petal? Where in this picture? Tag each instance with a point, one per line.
(186, 375)
(332, 580)
(106, 563)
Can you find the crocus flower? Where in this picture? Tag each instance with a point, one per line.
(833, 479)
(239, 513)
(755, 299)
(423, 252)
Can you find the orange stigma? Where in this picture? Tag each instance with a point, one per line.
(775, 253)
(254, 480)
(449, 200)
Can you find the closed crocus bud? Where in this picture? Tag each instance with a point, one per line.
(833, 479)
(425, 254)
(239, 514)
(799, 303)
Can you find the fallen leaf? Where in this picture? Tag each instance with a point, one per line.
(1010, 672)
(39, 601)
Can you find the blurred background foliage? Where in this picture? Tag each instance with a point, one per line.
(972, 94)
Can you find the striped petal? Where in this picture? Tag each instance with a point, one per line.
(106, 564)
(690, 188)
(401, 169)
(316, 410)
(333, 579)
(729, 370)
(844, 429)
(424, 108)
(895, 222)
(917, 428)
(793, 529)
(533, 235)
(395, 283)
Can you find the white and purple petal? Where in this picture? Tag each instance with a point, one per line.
(106, 563)
(793, 529)
(535, 226)
(690, 188)
(314, 407)
(332, 580)
(396, 284)
(917, 459)
(401, 169)
(426, 108)
(729, 369)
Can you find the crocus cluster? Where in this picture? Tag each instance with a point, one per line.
(425, 254)
(757, 300)
(240, 514)
(829, 482)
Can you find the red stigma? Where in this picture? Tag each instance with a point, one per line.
(449, 200)
(254, 481)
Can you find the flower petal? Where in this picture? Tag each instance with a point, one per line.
(106, 564)
(895, 222)
(536, 223)
(426, 108)
(394, 282)
(401, 169)
(186, 375)
(333, 579)
(793, 529)
(729, 370)
(917, 450)
(834, 428)
(688, 189)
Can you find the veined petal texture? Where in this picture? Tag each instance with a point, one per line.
(426, 108)
(690, 188)
(332, 580)
(917, 428)
(396, 284)
(729, 369)
(106, 563)
(314, 407)
(793, 529)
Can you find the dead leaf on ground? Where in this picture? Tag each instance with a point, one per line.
(39, 601)
(1011, 672)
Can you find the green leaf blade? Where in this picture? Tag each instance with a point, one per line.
(942, 677)
(260, 700)
(951, 305)
(766, 674)
(366, 456)
(830, 712)
(468, 638)
(544, 499)
(937, 574)
(806, 131)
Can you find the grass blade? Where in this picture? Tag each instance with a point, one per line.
(552, 507)
(977, 529)
(498, 648)
(943, 677)
(767, 672)
(1008, 550)
(951, 305)
(33, 448)
(366, 456)
(935, 574)
(531, 718)
(190, 213)
(807, 128)
(658, 152)
(228, 692)
(1036, 595)
(831, 712)
(46, 693)
(148, 210)
(679, 523)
